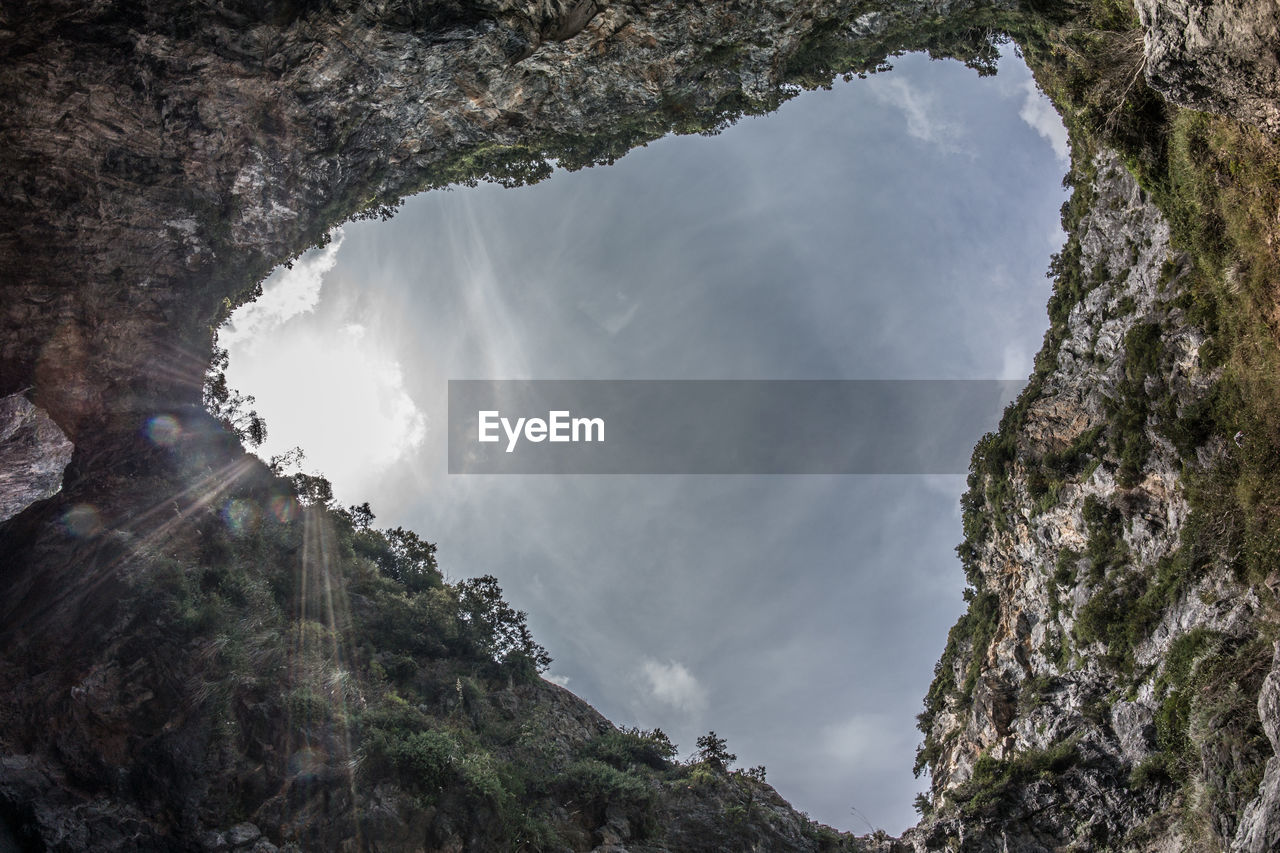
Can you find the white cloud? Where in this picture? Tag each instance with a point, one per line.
(672, 684)
(562, 680)
(286, 293)
(338, 393)
(920, 109)
(618, 321)
(338, 396)
(1040, 115)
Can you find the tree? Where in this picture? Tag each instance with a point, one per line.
(497, 631)
(282, 462)
(361, 516)
(714, 750)
(233, 409)
(412, 560)
(312, 489)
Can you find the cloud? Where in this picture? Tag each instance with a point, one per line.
(286, 293)
(1016, 363)
(920, 109)
(344, 401)
(673, 685)
(562, 680)
(865, 740)
(1040, 115)
(618, 321)
(338, 393)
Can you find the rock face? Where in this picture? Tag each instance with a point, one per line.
(1216, 57)
(1043, 680)
(33, 454)
(1111, 655)
(1260, 825)
(187, 148)
(166, 681)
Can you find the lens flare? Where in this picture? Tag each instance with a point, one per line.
(82, 520)
(284, 508)
(307, 763)
(241, 516)
(164, 430)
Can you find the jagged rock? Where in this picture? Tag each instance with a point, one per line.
(1259, 830)
(33, 454)
(212, 841)
(1133, 723)
(193, 131)
(1218, 57)
(1038, 569)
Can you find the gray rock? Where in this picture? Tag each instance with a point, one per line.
(212, 841)
(1218, 57)
(1133, 725)
(186, 161)
(1259, 830)
(242, 834)
(1028, 696)
(33, 454)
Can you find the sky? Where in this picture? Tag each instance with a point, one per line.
(897, 227)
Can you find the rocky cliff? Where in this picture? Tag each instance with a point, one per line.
(1072, 699)
(199, 654)
(1112, 684)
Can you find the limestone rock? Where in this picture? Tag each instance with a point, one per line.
(1259, 830)
(1217, 57)
(33, 454)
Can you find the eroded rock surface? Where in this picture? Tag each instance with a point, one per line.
(1217, 57)
(1066, 695)
(33, 454)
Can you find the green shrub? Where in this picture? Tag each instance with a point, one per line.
(424, 762)
(994, 779)
(592, 781)
(1153, 770)
(624, 748)
(1106, 549)
(307, 706)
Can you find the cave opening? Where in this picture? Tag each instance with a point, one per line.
(896, 227)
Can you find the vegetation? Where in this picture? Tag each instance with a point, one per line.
(1216, 181)
(993, 779)
(232, 409)
(713, 750)
(415, 640)
(625, 749)
(967, 642)
(341, 654)
(1208, 729)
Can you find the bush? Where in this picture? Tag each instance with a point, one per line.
(497, 631)
(593, 781)
(626, 747)
(713, 750)
(1106, 549)
(423, 761)
(994, 779)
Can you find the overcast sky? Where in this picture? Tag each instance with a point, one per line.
(897, 227)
